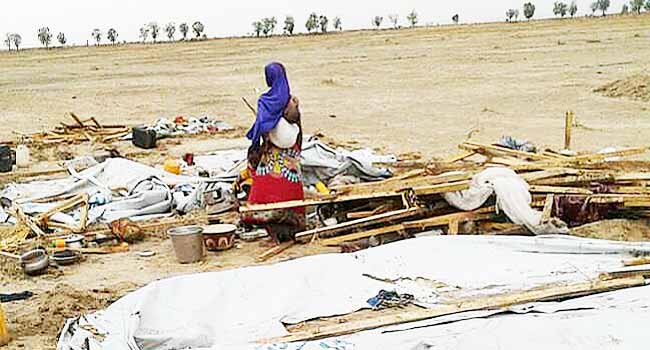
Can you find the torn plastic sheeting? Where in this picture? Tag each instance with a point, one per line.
(236, 308)
(113, 173)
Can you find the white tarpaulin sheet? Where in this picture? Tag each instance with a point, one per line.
(234, 309)
(144, 191)
(615, 320)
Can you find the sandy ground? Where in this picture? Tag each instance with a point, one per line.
(402, 91)
(407, 90)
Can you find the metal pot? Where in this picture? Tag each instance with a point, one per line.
(33, 262)
(66, 257)
(75, 241)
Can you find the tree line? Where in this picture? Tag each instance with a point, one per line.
(152, 29)
(563, 9)
(319, 23)
(315, 23)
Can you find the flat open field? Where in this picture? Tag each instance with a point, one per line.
(413, 90)
(408, 90)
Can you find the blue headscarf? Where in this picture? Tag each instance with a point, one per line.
(271, 105)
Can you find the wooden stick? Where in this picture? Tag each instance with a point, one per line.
(20, 215)
(568, 123)
(314, 202)
(501, 151)
(359, 223)
(548, 208)
(460, 157)
(644, 260)
(442, 188)
(249, 106)
(492, 302)
(365, 234)
(559, 190)
(274, 251)
(76, 119)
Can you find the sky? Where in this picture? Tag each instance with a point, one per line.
(77, 18)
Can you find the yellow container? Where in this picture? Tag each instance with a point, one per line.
(4, 334)
(321, 188)
(172, 166)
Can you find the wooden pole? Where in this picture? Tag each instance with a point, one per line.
(548, 293)
(568, 124)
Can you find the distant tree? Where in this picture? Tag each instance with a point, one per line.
(323, 21)
(97, 35)
(573, 8)
(184, 28)
(603, 5)
(312, 22)
(594, 7)
(154, 30)
(17, 40)
(625, 9)
(8, 41)
(268, 25)
(198, 28)
(636, 6)
(412, 18)
(510, 14)
(170, 28)
(144, 33)
(44, 36)
(61, 38)
(289, 25)
(560, 8)
(112, 35)
(258, 26)
(337, 24)
(516, 15)
(529, 10)
(647, 5)
(394, 19)
(376, 21)
(455, 18)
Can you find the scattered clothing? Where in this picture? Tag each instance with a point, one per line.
(577, 210)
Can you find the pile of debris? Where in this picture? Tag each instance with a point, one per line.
(456, 196)
(86, 130)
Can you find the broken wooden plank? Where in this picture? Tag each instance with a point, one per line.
(274, 251)
(365, 234)
(558, 190)
(330, 199)
(548, 209)
(460, 157)
(644, 260)
(442, 188)
(443, 220)
(500, 151)
(359, 223)
(548, 293)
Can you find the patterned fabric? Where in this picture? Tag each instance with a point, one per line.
(280, 162)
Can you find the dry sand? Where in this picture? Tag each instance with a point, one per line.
(407, 90)
(418, 90)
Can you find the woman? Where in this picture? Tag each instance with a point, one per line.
(275, 170)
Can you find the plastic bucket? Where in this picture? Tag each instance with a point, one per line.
(188, 243)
